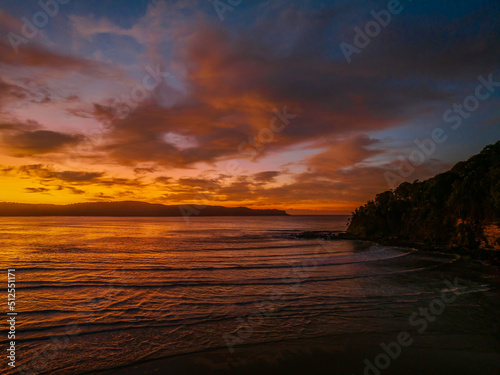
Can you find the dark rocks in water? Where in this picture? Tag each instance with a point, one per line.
(490, 257)
(324, 235)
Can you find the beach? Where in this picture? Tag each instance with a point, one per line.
(453, 354)
(242, 295)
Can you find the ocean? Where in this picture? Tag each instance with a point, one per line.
(96, 294)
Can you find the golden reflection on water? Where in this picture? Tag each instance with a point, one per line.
(178, 287)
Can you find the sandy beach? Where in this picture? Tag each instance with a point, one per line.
(345, 354)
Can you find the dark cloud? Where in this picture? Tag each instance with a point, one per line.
(34, 56)
(102, 196)
(233, 85)
(264, 177)
(36, 170)
(9, 92)
(39, 141)
(33, 53)
(74, 190)
(78, 176)
(196, 182)
(236, 79)
(456, 45)
(48, 175)
(6, 170)
(344, 153)
(144, 170)
(37, 190)
(163, 180)
(26, 139)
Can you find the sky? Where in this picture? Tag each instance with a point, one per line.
(305, 106)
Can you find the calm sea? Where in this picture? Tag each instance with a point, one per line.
(100, 293)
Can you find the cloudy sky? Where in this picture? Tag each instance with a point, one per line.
(252, 104)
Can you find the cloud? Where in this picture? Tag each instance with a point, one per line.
(102, 196)
(344, 153)
(32, 53)
(38, 57)
(78, 176)
(227, 84)
(266, 177)
(21, 92)
(195, 182)
(48, 175)
(37, 190)
(234, 82)
(163, 180)
(233, 79)
(145, 170)
(74, 190)
(27, 139)
(441, 46)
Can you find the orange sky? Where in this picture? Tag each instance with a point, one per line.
(167, 104)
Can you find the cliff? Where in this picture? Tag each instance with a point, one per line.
(458, 208)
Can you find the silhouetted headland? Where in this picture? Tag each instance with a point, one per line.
(128, 208)
(455, 211)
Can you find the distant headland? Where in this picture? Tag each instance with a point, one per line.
(127, 209)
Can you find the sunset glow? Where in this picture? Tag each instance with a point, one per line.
(164, 102)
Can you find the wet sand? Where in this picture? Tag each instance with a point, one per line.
(461, 354)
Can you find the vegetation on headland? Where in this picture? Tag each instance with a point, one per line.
(452, 208)
(456, 209)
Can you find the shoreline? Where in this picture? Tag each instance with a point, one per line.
(487, 257)
(448, 353)
(345, 353)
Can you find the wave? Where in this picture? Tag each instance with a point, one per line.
(287, 312)
(201, 284)
(234, 267)
(53, 284)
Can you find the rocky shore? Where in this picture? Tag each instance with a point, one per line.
(489, 257)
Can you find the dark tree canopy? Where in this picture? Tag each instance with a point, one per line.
(449, 209)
